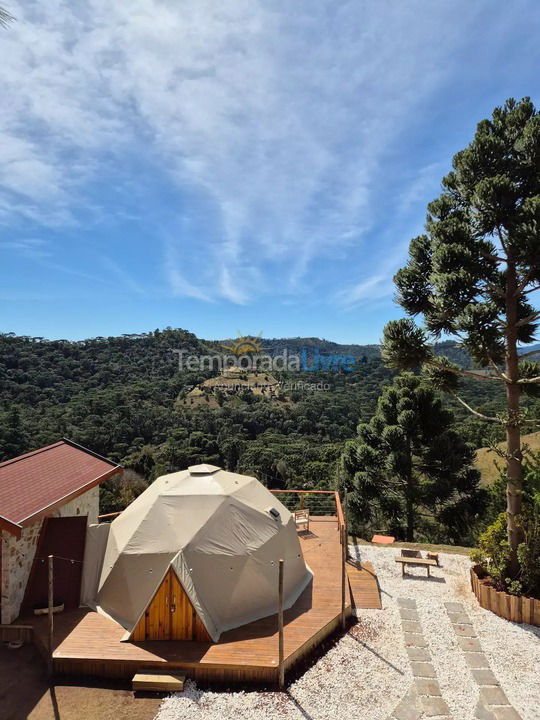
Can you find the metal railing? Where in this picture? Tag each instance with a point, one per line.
(323, 503)
(318, 502)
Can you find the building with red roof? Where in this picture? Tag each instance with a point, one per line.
(48, 497)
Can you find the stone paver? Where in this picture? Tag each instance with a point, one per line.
(415, 640)
(418, 654)
(468, 644)
(408, 709)
(484, 676)
(424, 699)
(476, 660)
(493, 703)
(464, 630)
(493, 696)
(506, 713)
(407, 603)
(423, 669)
(459, 618)
(409, 626)
(427, 686)
(454, 606)
(433, 706)
(483, 713)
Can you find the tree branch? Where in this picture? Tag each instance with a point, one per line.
(529, 319)
(496, 368)
(528, 381)
(464, 373)
(528, 275)
(502, 241)
(473, 411)
(495, 289)
(495, 258)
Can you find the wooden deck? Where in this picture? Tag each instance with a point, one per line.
(87, 643)
(364, 586)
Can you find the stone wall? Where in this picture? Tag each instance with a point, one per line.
(18, 554)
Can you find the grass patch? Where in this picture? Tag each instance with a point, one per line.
(487, 460)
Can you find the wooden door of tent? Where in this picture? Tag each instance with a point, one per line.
(170, 615)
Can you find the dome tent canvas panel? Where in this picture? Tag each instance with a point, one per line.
(214, 529)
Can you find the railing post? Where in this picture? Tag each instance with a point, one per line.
(346, 521)
(343, 578)
(281, 669)
(50, 613)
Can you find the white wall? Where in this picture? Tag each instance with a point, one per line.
(18, 555)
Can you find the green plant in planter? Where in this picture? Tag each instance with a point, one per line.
(529, 549)
(494, 551)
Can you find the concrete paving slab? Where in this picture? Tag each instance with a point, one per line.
(414, 640)
(423, 669)
(476, 660)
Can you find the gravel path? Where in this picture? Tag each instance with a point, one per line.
(368, 672)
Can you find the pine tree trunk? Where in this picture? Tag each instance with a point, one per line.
(513, 430)
(409, 499)
(410, 513)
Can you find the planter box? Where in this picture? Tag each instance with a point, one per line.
(518, 609)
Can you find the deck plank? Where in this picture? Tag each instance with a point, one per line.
(364, 586)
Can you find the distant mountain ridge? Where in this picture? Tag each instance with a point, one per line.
(296, 344)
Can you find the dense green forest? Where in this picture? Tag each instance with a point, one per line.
(118, 396)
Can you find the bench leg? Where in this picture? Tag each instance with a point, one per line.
(428, 571)
(402, 569)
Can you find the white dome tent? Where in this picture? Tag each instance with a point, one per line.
(196, 554)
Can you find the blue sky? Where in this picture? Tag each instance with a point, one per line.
(252, 165)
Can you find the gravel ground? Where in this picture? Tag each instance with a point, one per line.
(367, 672)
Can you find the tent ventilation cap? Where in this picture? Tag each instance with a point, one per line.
(202, 469)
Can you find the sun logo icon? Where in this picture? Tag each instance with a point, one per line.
(246, 344)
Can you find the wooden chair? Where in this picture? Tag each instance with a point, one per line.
(433, 556)
(301, 518)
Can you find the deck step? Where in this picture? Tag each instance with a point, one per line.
(158, 682)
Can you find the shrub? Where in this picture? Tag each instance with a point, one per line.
(493, 553)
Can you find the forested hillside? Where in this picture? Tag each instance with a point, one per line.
(118, 396)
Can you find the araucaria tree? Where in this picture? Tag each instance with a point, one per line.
(407, 462)
(473, 276)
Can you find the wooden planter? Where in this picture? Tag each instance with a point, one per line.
(511, 607)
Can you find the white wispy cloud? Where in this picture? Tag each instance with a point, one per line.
(180, 285)
(280, 115)
(121, 274)
(30, 247)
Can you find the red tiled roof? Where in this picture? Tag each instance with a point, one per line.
(35, 483)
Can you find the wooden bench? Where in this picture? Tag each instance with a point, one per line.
(301, 518)
(415, 559)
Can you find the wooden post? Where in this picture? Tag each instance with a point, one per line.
(50, 614)
(346, 521)
(343, 577)
(281, 668)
